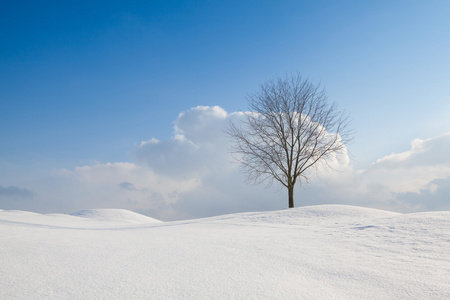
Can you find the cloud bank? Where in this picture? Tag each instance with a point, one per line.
(192, 175)
(189, 175)
(415, 179)
(14, 191)
(13, 197)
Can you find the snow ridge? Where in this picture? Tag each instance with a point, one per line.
(115, 215)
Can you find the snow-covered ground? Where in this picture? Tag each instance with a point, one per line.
(316, 252)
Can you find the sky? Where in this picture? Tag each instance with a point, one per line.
(122, 104)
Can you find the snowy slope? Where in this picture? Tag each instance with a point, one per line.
(92, 218)
(317, 252)
(115, 215)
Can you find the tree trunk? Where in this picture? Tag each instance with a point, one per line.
(291, 196)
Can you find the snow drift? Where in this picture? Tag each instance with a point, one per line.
(115, 215)
(316, 252)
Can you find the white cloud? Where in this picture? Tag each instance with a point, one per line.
(131, 186)
(13, 197)
(199, 146)
(419, 172)
(202, 124)
(14, 191)
(413, 180)
(189, 175)
(192, 175)
(138, 177)
(413, 170)
(434, 197)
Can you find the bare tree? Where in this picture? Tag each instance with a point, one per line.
(290, 129)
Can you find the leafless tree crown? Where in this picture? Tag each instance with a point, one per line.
(289, 129)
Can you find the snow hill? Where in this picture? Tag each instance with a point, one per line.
(316, 252)
(115, 215)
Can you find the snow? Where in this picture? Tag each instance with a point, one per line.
(115, 215)
(315, 252)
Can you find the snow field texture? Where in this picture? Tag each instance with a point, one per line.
(316, 252)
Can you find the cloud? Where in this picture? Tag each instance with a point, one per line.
(434, 197)
(202, 124)
(414, 180)
(189, 175)
(131, 186)
(199, 146)
(192, 174)
(128, 186)
(413, 170)
(13, 197)
(14, 191)
(423, 152)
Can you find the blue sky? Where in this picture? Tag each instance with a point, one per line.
(84, 83)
